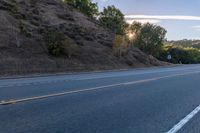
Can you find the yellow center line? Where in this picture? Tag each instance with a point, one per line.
(92, 89)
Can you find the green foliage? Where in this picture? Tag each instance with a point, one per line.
(186, 43)
(135, 27)
(148, 37)
(151, 38)
(181, 54)
(59, 44)
(54, 40)
(113, 18)
(85, 6)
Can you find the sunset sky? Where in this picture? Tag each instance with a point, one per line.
(181, 18)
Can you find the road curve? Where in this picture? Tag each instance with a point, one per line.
(153, 100)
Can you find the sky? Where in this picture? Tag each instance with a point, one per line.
(181, 18)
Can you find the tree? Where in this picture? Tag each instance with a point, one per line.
(185, 55)
(150, 38)
(113, 18)
(135, 27)
(85, 6)
(133, 31)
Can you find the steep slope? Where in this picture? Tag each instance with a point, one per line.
(23, 48)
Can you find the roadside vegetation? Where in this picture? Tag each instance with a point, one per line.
(150, 38)
(85, 6)
(66, 36)
(180, 55)
(147, 37)
(183, 51)
(59, 44)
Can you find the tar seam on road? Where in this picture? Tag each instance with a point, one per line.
(184, 121)
(91, 89)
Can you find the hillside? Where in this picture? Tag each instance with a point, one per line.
(185, 43)
(23, 49)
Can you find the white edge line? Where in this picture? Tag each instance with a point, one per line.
(184, 121)
(91, 89)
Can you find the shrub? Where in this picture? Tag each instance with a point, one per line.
(54, 40)
(120, 46)
(181, 55)
(59, 44)
(85, 6)
(69, 47)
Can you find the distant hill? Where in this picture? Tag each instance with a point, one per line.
(186, 43)
(23, 48)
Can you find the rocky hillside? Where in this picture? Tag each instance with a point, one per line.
(23, 49)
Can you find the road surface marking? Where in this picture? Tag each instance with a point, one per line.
(89, 78)
(92, 89)
(184, 121)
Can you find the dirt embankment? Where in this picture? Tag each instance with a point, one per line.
(23, 49)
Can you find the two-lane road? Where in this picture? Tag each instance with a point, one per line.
(153, 100)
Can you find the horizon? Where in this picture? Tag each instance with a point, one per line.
(179, 17)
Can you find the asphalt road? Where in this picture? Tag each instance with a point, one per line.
(153, 100)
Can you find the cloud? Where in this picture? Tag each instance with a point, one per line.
(157, 18)
(162, 17)
(152, 21)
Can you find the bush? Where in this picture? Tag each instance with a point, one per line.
(69, 48)
(59, 44)
(181, 55)
(120, 46)
(85, 6)
(54, 40)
